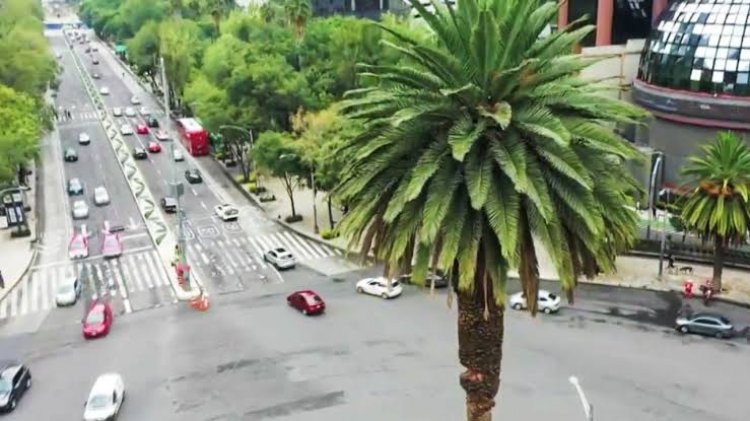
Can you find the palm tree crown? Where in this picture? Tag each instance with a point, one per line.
(298, 12)
(486, 140)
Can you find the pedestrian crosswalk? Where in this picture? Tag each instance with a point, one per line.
(78, 116)
(136, 281)
(246, 253)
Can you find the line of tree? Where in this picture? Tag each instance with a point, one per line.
(27, 69)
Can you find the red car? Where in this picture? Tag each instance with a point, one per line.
(306, 301)
(141, 128)
(154, 147)
(98, 320)
(111, 245)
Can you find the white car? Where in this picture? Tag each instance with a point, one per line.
(227, 212)
(80, 210)
(104, 90)
(547, 302)
(101, 197)
(105, 399)
(162, 135)
(379, 287)
(126, 130)
(144, 111)
(135, 100)
(68, 292)
(177, 155)
(130, 111)
(117, 112)
(280, 257)
(84, 139)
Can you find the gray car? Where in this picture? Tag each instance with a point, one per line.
(710, 324)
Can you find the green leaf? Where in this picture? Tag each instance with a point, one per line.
(478, 175)
(463, 135)
(500, 113)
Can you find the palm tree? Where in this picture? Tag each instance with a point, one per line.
(718, 208)
(218, 9)
(484, 145)
(298, 12)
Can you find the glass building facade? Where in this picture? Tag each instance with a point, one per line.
(700, 46)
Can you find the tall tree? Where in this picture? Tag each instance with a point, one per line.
(20, 130)
(718, 208)
(218, 9)
(479, 149)
(276, 152)
(179, 44)
(298, 12)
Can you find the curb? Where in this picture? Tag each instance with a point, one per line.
(6, 291)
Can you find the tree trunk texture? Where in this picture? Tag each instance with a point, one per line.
(289, 187)
(480, 343)
(718, 264)
(330, 213)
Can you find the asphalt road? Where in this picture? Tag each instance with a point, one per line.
(253, 358)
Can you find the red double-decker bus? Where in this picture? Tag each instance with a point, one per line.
(193, 136)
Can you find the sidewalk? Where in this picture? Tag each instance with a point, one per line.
(18, 253)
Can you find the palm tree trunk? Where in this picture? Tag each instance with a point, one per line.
(480, 341)
(718, 263)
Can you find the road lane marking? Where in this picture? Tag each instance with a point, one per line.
(143, 268)
(35, 286)
(25, 297)
(204, 205)
(195, 193)
(121, 286)
(135, 281)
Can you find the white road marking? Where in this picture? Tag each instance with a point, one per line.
(143, 268)
(195, 193)
(35, 282)
(24, 297)
(121, 286)
(204, 206)
(136, 284)
(14, 302)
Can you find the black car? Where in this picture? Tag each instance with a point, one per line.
(15, 380)
(437, 276)
(70, 155)
(193, 176)
(169, 205)
(152, 121)
(139, 153)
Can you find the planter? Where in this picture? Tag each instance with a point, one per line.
(268, 198)
(292, 219)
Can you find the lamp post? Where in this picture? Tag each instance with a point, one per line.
(588, 409)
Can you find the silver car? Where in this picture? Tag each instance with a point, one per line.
(130, 111)
(177, 155)
(280, 258)
(84, 139)
(80, 210)
(68, 292)
(710, 324)
(117, 112)
(126, 130)
(101, 197)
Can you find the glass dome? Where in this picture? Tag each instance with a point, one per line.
(700, 46)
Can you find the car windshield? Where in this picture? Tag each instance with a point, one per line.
(552, 296)
(5, 386)
(65, 289)
(232, 212)
(99, 402)
(312, 299)
(285, 256)
(95, 318)
(725, 321)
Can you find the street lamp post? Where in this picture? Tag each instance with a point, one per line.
(588, 409)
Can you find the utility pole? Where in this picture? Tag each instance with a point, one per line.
(181, 249)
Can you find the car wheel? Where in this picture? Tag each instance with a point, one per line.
(719, 335)
(547, 310)
(304, 311)
(516, 306)
(360, 290)
(13, 404)
(684, 329)
(384, 296)
(28, 383)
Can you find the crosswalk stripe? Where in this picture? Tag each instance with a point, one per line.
(295, 247)
(148, 270)
(137, 282)
(203, 256)
(324, 251)
(279, 240)
(304, 244)
(121, 285)
(264, 246)
(257, 248)
(228, 255)
(24, 297)
(143, 269)
(44, 290)
(35, 285)
(192, 256)
(4, 308)
(151, 258)
(14, 302)
(158, 273)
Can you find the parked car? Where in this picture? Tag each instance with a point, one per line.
(117, 112)
(139, 153)
(379, 287)
(68, 292)
(280, 257)
(307, 301)
(130, 111)
(15, 381)
(547, 302)
(101, 196)
(105, 398)
(135, 100)
(169, 204)
(710, 324)
(433, 277)
(111, 245)
(177, 155)
(152, 122)
(104, 90)
(154, 147)
(126, 130)
(96, 76)
(227, 212)
(75, 187)
(95, 61)
(193, 176)
(70, 155)
(98, 320)
(80, 210)
(162, 135)
(141, 128)
(144, 111)
(78, 247)
(84, 139)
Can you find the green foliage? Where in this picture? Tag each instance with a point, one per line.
(143, 49)
(477, 144)
(136, 13)
(180, 46)
(277, 152)
(328, 234)
(20, 130)
(209, 102)
(719, 206)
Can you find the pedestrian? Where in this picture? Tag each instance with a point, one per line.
(671, 261)
(2, 280)
(70, 115)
